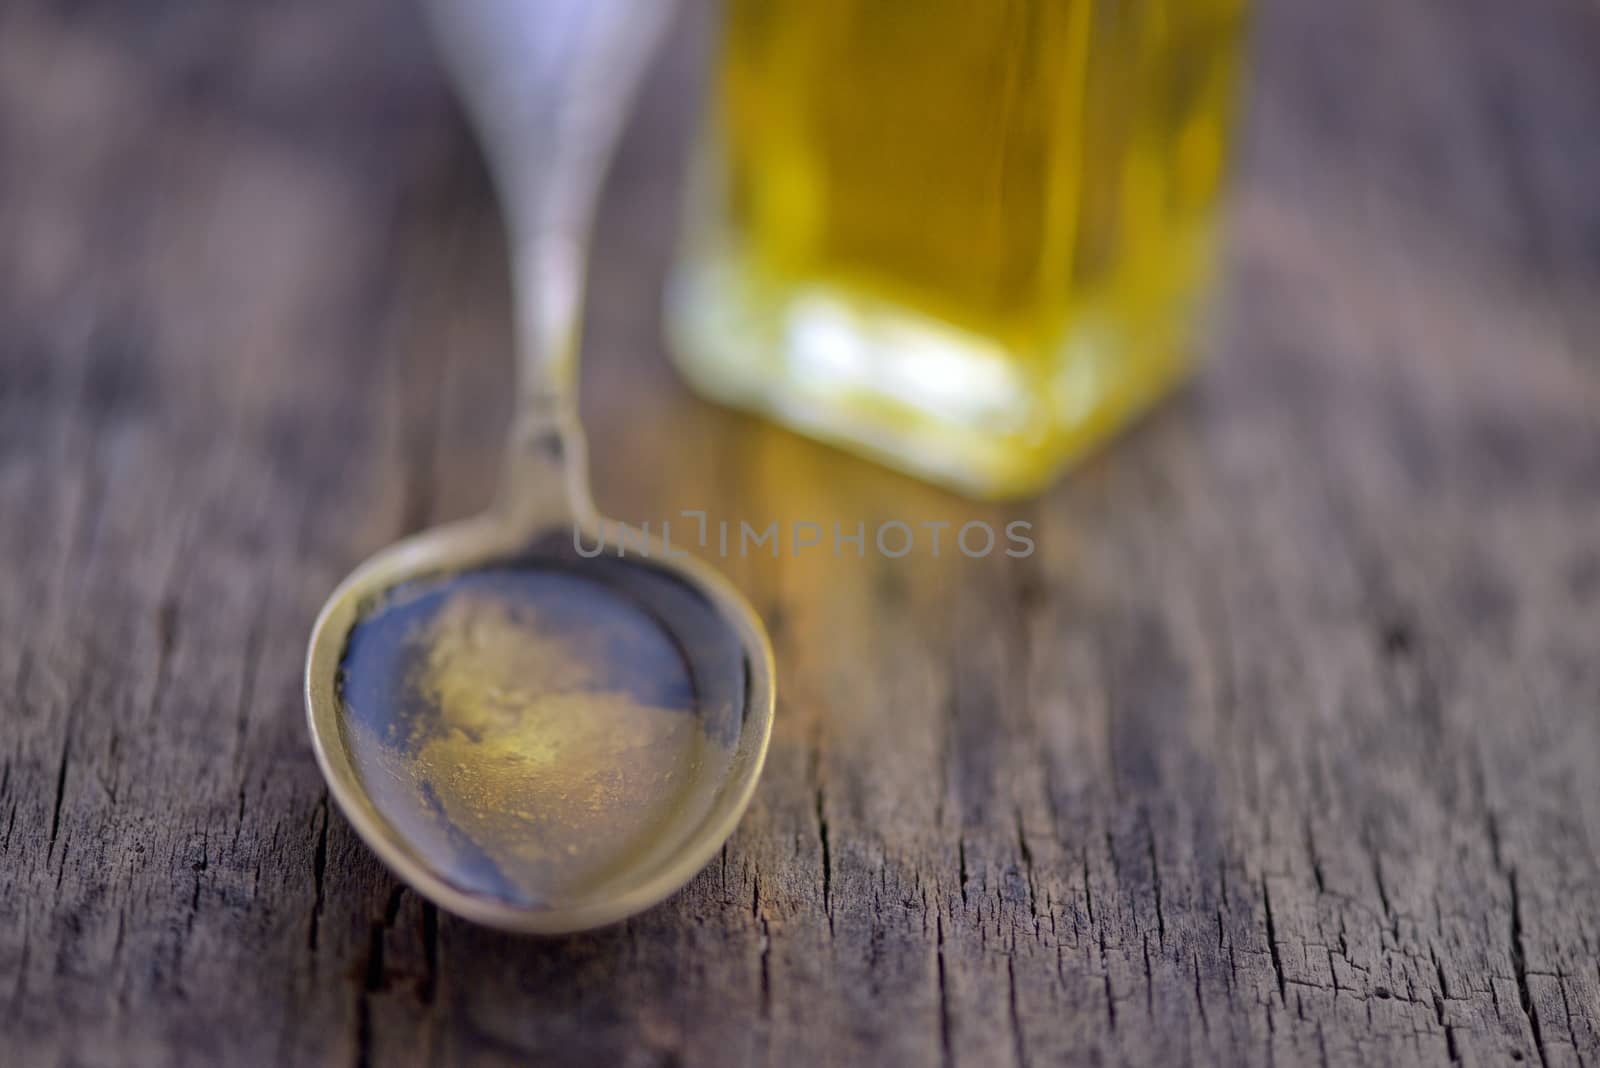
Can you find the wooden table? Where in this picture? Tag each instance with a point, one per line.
(1281, 748)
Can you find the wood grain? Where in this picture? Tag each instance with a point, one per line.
(1281, 749)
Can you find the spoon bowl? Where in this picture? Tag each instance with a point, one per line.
(534, 809)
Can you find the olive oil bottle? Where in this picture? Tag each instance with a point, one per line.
(966, 237)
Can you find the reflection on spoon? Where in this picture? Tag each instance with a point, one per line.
(533, 729)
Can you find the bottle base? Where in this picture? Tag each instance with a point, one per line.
(939, 403)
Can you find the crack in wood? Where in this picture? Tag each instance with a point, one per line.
(1272, 942)
(319, 868)
(248, 665)
(1519, 966)
(1027, 864)
(946, 1055)
(1155, 879)
(61, 793)
(1019, 1050)
(827, 860)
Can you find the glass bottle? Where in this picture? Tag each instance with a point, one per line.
(969, 238)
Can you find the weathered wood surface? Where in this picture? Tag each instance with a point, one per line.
(1282, 748)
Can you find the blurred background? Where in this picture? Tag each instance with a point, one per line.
(280, 212)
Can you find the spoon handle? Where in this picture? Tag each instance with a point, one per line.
(546, 84)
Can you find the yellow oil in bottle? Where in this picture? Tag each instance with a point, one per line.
(967, 237)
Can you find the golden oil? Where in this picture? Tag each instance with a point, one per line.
(967, 237)
(539, 731)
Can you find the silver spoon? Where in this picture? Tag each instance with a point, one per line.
(533, 737)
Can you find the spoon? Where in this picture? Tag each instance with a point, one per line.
(533, 735)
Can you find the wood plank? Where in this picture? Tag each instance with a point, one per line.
(1282, 748)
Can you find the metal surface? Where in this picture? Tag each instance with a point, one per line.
(547, 85)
